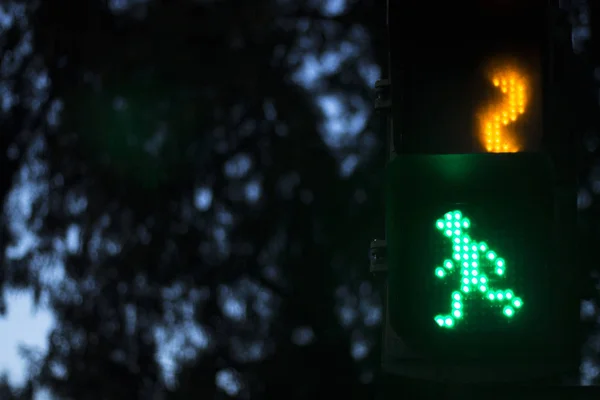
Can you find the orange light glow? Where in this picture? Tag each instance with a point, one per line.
(495, 134)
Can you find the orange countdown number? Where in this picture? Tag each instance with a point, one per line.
(497, 138)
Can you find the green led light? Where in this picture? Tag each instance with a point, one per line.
(447, 321)
(465, 250)
(508, 311)
(517, 302)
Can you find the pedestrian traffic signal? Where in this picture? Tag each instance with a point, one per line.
(480, 259)
(470, 258)
(480, 201)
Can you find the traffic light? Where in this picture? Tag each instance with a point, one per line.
(480, 200)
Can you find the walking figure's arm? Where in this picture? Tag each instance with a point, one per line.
(497, 263)
(442, 272)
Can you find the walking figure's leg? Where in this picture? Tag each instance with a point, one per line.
(507, 297)
(456, 313)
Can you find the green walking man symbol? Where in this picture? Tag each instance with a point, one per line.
(469, 257)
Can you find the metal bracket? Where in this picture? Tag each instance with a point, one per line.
(378, 256)
(383, 101)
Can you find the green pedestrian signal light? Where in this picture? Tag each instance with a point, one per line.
(470, 261)
(479, 252)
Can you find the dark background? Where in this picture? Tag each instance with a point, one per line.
(212, 169)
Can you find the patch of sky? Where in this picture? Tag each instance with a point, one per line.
(229, 381)
(203, 198)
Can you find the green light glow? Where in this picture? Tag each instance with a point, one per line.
(474, 282)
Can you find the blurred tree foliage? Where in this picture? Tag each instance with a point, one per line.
(186, 189)
(175, 142)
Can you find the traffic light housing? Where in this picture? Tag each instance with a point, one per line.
(480, 198)
(464, 227)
